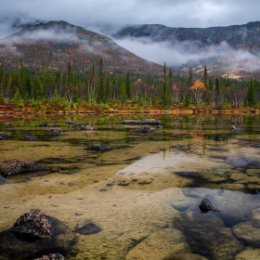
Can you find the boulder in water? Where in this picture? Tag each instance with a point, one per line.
(36, 236)
(99, 147)
(206, 206)
(33, 224)
(13, 168)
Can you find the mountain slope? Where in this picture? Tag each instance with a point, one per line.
(237, 36)
(56, 43)
(232, 50)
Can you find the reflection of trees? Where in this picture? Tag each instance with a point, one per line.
(237, 120)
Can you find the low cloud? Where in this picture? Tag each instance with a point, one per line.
(190, 53)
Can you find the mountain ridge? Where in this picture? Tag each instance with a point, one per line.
(234, 35)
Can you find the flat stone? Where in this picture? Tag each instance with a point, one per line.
(253, 172)
(256, 215)
(88, 228)
(238, 176)
(159, 245)
(187, 256)
(247, 232)
(207, 235)
(249, 254)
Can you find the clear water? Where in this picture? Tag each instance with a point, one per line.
(145, 192)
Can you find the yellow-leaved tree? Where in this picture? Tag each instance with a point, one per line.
(198, 88)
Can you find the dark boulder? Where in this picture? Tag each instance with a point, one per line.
(18, 167)
(146, 129)
(2, 180)
(99, 147)
(141, 122)
(55, 256)
(88, 228)
(54, 237)
(237, 129)
(55, 132)
(33, 225)
(44, 124)
(206, 206)
(4, 136)
(30, 138)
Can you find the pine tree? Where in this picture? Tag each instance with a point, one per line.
(205, 77)
(217, 94)
(128, 86)
(164, 87)
(190, 77)
(101, 90)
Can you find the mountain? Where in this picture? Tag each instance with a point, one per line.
(245, 36)
(56, 43)
(225, 50)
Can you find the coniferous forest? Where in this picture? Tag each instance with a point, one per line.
(69, 88)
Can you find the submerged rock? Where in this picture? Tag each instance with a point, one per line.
(2, 180)
(88, 228)
(248, 232)
(237, 129)
(19, 167)
(159, 245)
(30, 138)
(207, 236)
(4, 136)
(44, 124)
(55, 256)
(141, 122)
(249, 254)
(186, 256)
(99, 148)
(33, 224)
(244, 162)
(87, 128)
(206, 206)
(55, 132)
(19, 247)
(146, 129)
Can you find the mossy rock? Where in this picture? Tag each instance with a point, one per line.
(62, 241)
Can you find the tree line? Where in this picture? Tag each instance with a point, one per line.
(95, 86)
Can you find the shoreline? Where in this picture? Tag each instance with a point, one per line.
(31, 112)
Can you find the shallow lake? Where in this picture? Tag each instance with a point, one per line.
(144, 192)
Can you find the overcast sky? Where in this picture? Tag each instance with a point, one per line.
(186, 13)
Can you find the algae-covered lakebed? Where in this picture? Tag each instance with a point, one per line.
(133, 191)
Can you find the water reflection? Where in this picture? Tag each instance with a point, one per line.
(143, 193)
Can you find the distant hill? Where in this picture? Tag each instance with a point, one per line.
(56, 43)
